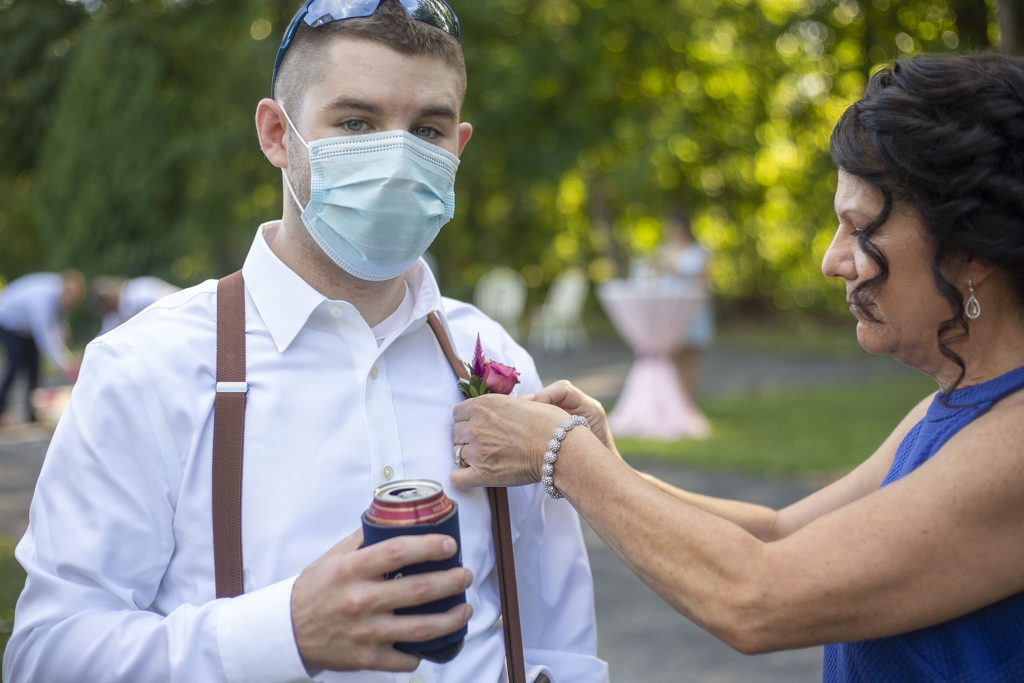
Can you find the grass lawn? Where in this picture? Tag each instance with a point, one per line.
(819, 431)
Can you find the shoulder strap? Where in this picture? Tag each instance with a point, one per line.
(228, 436)
(501, 528)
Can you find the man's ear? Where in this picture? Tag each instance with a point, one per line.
(465, 132)
(271, 127)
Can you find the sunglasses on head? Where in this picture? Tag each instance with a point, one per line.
(319, 12)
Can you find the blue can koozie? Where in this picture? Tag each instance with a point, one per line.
(419, 506)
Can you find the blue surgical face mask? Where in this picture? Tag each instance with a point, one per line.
(377, 201)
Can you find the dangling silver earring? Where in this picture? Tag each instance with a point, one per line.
(973, 307)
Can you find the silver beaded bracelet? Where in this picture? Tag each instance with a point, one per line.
(547, 470)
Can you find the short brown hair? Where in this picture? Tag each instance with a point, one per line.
(390, 25)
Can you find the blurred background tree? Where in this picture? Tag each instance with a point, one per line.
(129, 145)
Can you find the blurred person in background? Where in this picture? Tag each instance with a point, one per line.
(682, 258)
(909, 568)
(33, 321)
(116, 299)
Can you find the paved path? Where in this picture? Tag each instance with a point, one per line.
(643, 639)
(601, 368)
(646, 641)
(21, 455)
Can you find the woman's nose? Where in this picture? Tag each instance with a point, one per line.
(838, 260)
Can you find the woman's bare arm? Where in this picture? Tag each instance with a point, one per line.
(771, 525)
(869, 568)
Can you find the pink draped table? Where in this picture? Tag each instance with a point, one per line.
(652, 315)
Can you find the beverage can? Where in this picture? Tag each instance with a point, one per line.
(419, 506)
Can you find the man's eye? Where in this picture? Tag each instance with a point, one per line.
(354, 125)
(425, 132)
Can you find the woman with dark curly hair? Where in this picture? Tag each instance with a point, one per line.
(909, 567)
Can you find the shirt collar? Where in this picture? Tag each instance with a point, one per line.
(285, 301)
(426, 295)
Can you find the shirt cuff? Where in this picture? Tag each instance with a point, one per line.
(534, 671)
(572, 667)
(255, 636)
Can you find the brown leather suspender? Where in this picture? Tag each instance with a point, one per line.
(228, 440)
(228, 436)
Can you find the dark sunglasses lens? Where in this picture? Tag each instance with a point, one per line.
(322, 12)
(434, 12)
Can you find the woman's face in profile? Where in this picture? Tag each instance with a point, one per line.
(908, 306)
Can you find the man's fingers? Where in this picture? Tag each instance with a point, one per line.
(401, 551)
(416, 628)
(412, 628)
(350, 543)
(387, 658)
(419, 589)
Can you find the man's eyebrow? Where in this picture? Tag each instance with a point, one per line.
(439, 111)
(345, 102)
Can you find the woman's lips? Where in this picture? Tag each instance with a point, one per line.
(860, 311)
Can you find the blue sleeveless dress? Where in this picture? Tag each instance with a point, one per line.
(986, 645)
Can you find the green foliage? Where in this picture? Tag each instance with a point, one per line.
(150, 166)
(105, 213)
(474, 386)
(130, 147)
(593, 117)
(37, 39)
(794, 431)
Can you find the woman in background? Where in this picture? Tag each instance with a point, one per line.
(682, 257)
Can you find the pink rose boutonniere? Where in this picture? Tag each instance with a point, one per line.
(488, 376)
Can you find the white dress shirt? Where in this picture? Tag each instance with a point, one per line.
(119, 550)
(30, 306)
(134, 296)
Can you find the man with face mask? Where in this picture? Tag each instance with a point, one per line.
(346, 387)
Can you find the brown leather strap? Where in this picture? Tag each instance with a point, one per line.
(228, 436)
(501, 528)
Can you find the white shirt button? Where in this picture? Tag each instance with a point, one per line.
(415, 679)
(337, 311)
(388, 473)
(373, 372)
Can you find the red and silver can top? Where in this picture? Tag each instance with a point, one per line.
(407, 502)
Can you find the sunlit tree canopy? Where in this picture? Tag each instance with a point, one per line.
(129, 143)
